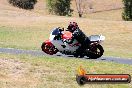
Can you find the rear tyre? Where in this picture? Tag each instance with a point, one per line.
(49, 48)
(95, 51)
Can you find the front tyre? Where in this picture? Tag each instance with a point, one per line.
(95, 51)
(49, 48)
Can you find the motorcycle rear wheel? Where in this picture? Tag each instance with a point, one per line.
(95, 52)
(49, 48)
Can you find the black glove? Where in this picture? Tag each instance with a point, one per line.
(61, 29)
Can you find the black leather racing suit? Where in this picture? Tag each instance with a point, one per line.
(81, 38)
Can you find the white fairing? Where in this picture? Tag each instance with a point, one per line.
(99, 38)
(63, 46)
(59, 44)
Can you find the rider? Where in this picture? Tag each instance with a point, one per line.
(80, 37)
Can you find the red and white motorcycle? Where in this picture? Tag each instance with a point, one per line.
(56, 43)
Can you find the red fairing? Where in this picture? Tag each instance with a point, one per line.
(48, 42)
(67, 35)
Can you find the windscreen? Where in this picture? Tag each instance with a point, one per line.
(55, 31)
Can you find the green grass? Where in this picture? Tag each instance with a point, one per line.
(24, 38)
(54, 72)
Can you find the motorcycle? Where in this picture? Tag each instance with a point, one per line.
(57, 43)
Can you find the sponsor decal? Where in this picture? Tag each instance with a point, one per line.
(83, 78)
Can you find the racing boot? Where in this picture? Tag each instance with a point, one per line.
(79, 52)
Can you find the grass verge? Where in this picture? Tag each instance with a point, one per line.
(22, 71)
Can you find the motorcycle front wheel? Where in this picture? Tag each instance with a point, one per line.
(95, 51)
(49, 48)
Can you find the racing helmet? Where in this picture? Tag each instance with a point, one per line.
(72, 26)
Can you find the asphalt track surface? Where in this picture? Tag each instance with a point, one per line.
(40, 53)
